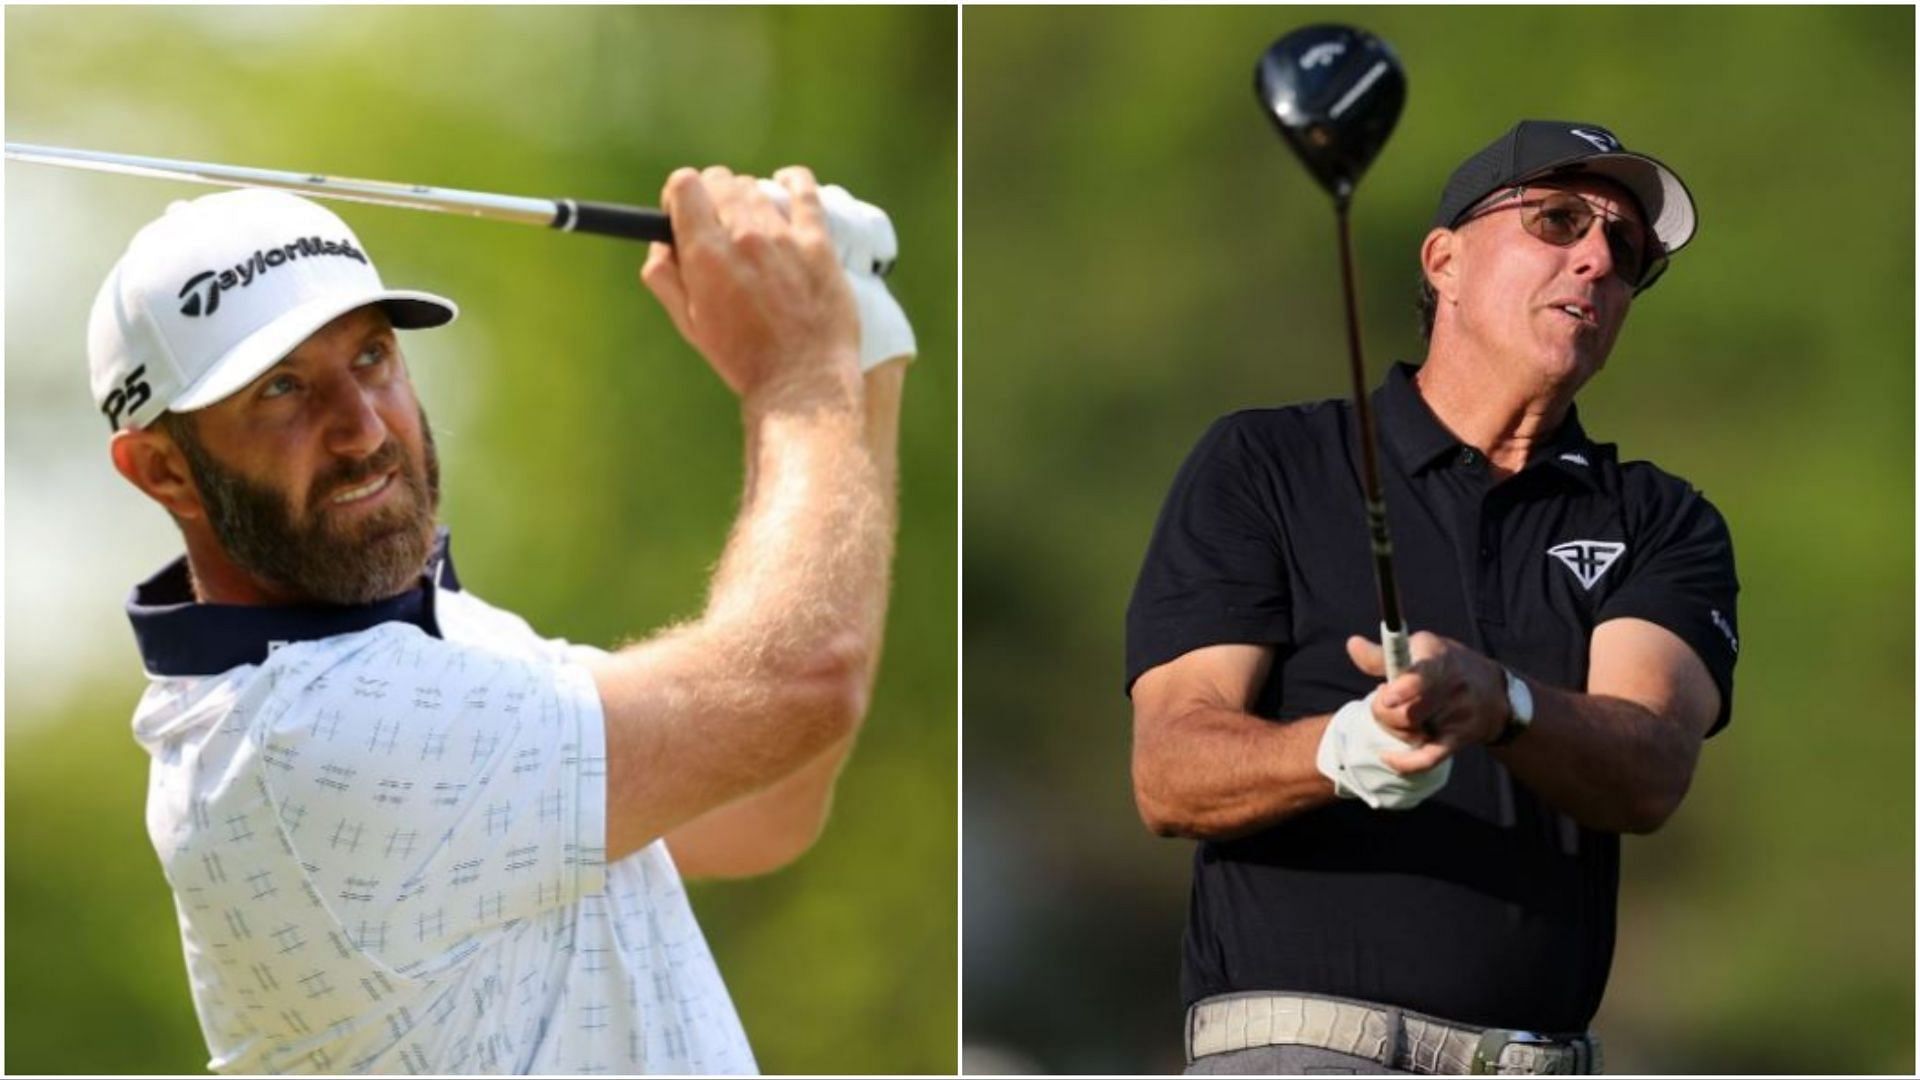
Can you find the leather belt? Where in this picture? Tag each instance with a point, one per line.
(1396, 1038)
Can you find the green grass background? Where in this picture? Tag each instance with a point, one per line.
(1143, 255)
(591, 459)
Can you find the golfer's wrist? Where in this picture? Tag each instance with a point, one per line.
(1516, 710)
(829, 380)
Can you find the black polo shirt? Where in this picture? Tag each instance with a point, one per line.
(1482, 904)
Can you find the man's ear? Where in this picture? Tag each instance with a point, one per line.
(154, 463)
(1438, 261)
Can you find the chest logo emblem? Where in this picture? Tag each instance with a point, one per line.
(1588, 559)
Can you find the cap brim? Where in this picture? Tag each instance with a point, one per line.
(267, 346)
(1660, 192)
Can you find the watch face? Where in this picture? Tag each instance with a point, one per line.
(1519, 710)
(1520, 699)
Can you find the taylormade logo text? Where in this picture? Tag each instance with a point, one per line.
(202, 291)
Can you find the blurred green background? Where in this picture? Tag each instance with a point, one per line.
(1143, 255)
(592, 460)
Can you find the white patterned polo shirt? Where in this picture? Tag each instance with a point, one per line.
(385, 831)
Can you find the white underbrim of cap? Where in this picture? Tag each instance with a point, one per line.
(1644, 176)
(271, 343)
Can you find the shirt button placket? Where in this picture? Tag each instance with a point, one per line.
(1491, 601)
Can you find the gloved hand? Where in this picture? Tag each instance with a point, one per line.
(865, 244)
(1349, 756)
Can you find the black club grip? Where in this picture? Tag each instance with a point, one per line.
(612, 219)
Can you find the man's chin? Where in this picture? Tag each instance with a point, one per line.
(368, 535)
(375, 576)
(400, 524)
(1569, 363)
(401, 547)
(372, 562)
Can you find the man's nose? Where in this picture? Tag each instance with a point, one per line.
(1593, 257)
(353, 425)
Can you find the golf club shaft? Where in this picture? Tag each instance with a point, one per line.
(1393, 632)
(567, 215)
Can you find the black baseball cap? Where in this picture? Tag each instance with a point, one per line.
(1539, 148)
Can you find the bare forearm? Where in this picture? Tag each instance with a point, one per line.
(777, 668)
(1608, 763)
(1216, 773)
(764, 831)
(804, 571)
(770, 827)
(882, 387)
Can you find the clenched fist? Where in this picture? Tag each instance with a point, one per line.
(760, 293)
(1451, 697)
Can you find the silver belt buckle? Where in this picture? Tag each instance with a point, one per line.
(1486, 1055)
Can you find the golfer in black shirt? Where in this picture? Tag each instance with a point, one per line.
(1421, 875)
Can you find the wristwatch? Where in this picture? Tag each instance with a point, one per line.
(1519, 710)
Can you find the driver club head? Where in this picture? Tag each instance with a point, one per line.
(1334, 92)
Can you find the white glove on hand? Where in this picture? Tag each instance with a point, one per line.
(1350, 757)
(864, 242)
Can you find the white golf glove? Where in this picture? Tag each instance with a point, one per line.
(864, 242)
(1350, 757)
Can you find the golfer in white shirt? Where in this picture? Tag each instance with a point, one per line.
(404, 831)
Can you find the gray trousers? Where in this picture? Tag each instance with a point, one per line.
(1286, 1061)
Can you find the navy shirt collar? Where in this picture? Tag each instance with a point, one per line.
(179, 636)
(1420, 440)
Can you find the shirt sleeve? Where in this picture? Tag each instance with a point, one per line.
(1682, 578)
(1215, 571)
(433, 792)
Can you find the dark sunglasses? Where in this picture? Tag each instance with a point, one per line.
(1561, 218)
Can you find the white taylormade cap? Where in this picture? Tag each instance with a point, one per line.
(219, 289)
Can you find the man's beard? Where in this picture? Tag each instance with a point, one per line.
(380, 556)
